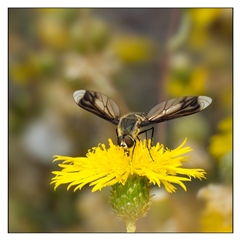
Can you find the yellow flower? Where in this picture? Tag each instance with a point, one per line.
(217, 213)
(221, 143)
(134, 48)
(104, 167)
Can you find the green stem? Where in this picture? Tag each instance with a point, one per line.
(131, 226)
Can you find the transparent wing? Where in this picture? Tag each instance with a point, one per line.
(175, 108)
(98, 104)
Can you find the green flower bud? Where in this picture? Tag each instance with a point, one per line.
(131, 201)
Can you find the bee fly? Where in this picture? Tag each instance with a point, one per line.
(130, 125)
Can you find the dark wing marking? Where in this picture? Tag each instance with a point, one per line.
(175, 108)
(98, 104)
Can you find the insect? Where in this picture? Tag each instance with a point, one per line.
(131, 125)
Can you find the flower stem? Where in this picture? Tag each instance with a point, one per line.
(131, 226)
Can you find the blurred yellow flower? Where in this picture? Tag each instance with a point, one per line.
(202, 17)
(134, 49)
(217, 215)
(104, 167)
(187, 81)
(221, 143)
(52, 32)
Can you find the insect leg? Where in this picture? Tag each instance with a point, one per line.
(152, 133)
(133, 148)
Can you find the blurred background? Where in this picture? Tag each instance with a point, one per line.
(138, 57)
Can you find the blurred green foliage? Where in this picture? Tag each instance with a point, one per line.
(138, 57)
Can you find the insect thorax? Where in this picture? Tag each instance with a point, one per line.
(129, 124)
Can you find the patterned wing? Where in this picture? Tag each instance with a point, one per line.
(98, 104)
(175, 108)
